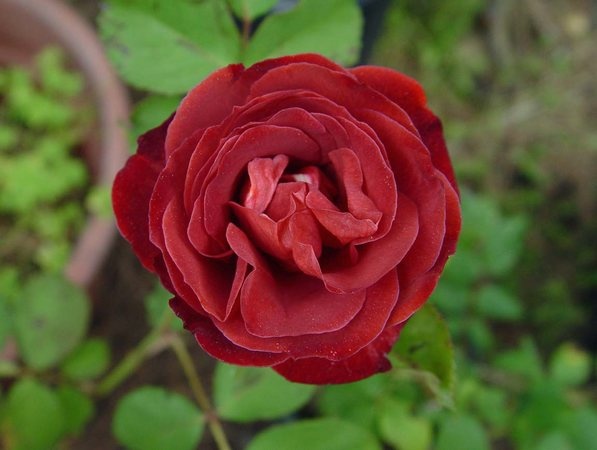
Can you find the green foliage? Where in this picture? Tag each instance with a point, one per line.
(433, 37)
(425, 344)
(87, 361)
(315, 434)
(569, 365)
(45, 333)
(156, 307)
(331, 28)
(32, 417)
(192, 39)
(151, 418)
(402, 429)
(245, 394)
(472, 293)
(251, 9)
(42, 122)
(77, 409)
(461, 432)
(168, 47)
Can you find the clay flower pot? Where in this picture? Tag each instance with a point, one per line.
(26, 27)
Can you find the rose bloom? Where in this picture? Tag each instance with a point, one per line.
(299, 213)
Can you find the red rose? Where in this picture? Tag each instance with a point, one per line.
(298, 211)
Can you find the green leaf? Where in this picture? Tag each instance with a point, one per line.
(33, 418)
(355, 402)
(88, 361)
(542, 409)
(581, 428)
(402, 429)
(425, 344)
(315, 434)
(491, 403)
(495, 302)
(554, 441)
(463, 433)
(50, 320)
(151, 418)
(251, 9)
(480, 335)
(523, 361)
(245, 394)
(168, 47)
(152, 111)
(569, 365)
(156, 305)
(331, 28)
(77, 409)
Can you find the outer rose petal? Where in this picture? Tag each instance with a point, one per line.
(368, 361)
(409, 94)
(214, 342)
(132, 191)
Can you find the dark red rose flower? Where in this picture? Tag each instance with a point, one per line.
(298, 211)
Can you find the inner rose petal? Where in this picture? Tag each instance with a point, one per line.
(211, 209)
(264, 174)
(216, 284)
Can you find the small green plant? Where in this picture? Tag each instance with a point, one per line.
(46, 359)
(42, 124)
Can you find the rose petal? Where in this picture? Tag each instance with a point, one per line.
(261, 141)
(368, 361)
(216, 344)
(421, 182)
(132, 191)
(337, 345)
(215, 284)
(207, 104)
(340, 87)
(264, 174)
(288, 304)
(409, 94)
(418, 287)
(379, 257)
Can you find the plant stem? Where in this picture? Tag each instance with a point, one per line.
(184, 358)
(150, 345)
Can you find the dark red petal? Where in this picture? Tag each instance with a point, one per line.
(263, 231)
(379, 257)
(264, 174)
(340, 87)
(261, 141)
(368, 361)
(418, 287)
(294, 305)
(216, 344)
(132, 191)
(343, 226)
(288, 304)
(409, 95)
(169, 185)
(207, 104)
(417, 178)
(211, 101)
(336, 345)
(349, 172)
(215, 284)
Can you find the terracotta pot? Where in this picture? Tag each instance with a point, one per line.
(26, 27)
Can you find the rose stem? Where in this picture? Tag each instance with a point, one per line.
(151, 344)
(186, 362)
